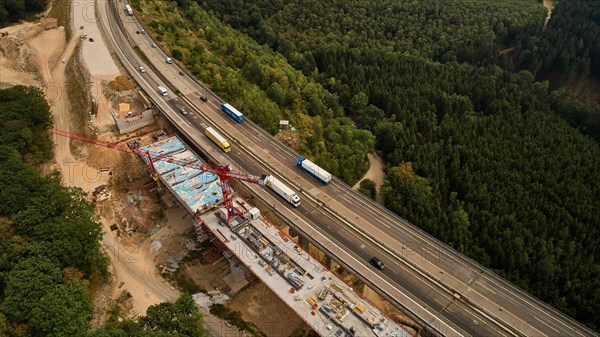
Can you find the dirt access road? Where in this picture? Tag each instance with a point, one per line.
(374, 173)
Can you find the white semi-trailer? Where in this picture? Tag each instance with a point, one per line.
(314, 170)
(283, 190)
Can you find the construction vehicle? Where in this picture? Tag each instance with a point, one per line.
(224, 172)
(313, 170)
(283, 190)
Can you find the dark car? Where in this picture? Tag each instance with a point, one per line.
(203, 98)
(377, 263)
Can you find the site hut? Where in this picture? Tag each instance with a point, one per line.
(284, 124)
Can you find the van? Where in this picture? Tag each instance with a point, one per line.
(169, 60)
(163, 91)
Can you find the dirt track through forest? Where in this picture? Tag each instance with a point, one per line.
(374, 173)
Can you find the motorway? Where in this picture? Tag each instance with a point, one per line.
(447, 292)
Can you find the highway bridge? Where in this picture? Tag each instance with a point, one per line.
(447, 293)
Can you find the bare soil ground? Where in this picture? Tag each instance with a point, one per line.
(19, 62)
(260, 305)
(390, 310)
(95, 54)
(133, 269)
(212, 274)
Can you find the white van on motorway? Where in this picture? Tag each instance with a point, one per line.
(163, 91)
(169, 60)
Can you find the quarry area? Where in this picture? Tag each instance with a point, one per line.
(166, 236)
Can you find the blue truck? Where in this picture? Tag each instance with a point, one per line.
(233, 112)
(313, 170)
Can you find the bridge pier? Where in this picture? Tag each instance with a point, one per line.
(328, 262)
(236, 275)
(303, 242)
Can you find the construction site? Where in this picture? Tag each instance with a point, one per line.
(255, 249)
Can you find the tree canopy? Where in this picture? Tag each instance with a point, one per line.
(478, 152)
(179, 319)
(15, 10)
(265, 87)
(48, 234)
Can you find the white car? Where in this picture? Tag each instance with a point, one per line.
(142, 70)
(169, 60)
(143, 31)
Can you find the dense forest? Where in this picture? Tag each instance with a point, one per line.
(48, 236)
(478, 154)
(15, 10)
(49, 242)
(459, 30)
(566, 53)
(570, 44)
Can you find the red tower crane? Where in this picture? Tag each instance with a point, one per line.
(224, 172)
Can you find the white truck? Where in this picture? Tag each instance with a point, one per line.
(313, 170)
(283, 190)
(128, 10)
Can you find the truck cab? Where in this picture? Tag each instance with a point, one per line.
(295, 200)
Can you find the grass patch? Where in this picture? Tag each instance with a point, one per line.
(236, 319)
(184, 283)
(61, 11)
